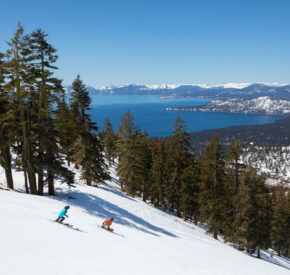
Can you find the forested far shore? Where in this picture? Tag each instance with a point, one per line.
(271, 134)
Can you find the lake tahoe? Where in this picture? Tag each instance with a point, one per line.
(149, 114)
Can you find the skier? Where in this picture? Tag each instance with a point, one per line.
(107, 223)
(61, 215)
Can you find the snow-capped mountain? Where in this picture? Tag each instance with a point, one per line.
(174, 86)
(260, 105)
(219, 91)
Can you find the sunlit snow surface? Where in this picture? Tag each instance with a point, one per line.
(146, 240)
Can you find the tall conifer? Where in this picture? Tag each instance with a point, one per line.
(6, 137)
(256, 200)
(87, 147)
(280, 224)
(128, 134)
(179, 146)
(212, 188)
(109, 140)
(20, 84)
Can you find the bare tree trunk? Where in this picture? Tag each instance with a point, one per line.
(144, 195)
(25, 182)
(259, 252)
(178, 186)
(195, 219)
(6, 158)
(30, 169)
(241, 246)
(7, 167)
(215, 231)
(40, 180)
(28, 155)
(50, 179)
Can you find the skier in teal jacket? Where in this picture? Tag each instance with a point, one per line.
(61, 215)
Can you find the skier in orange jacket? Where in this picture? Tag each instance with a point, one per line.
(107, 223)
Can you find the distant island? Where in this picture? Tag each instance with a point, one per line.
(261, 105)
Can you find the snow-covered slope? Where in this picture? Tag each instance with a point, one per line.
(260, 105)
(271, 161)
(146, 240)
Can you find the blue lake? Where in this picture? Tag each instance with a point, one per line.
(148, 112)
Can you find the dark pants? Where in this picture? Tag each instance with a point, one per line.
(59, 219)
(105, 226)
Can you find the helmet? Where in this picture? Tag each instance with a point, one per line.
(67, 207)
(111, 219)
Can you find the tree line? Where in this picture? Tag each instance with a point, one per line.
(39, 130)
(43, 131)
(214, 188)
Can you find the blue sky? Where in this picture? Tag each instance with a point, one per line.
(160, 41)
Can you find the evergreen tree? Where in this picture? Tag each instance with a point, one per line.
(179, 145)
(80, 103)
(213, 194)
(143, 163)
(20, 84)
(43, 56)
(87, 147)
(109, 141)
(280, 224)
(235, 207)
(159, 174)
(65, 127)
(190, 181)
(6, 137)
(256, 200)
(128, 135)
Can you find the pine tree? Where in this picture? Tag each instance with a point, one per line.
(42, 58)
(159, 174)
(143, 163)
(109, 141)
(213, 194)
(6, 138)
(80, 102)
(235, 207)
(20, 84)
(64, 127)
(179, 145)
(256, 201)
(190, 181)
(126, 147)
(87, 147)
(280, 224)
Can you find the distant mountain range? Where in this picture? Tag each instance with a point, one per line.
(259, 105)
(230, 90)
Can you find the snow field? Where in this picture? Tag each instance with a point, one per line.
(147, 240)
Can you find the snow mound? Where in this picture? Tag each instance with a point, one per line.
(146, 240)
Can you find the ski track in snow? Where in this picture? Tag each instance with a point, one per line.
(146, 240)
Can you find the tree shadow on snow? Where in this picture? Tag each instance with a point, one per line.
(96, 206)
(280, 261)
(115, 191)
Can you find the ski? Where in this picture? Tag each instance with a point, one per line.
(66, 224)
(107, 229)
